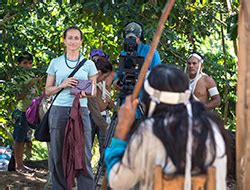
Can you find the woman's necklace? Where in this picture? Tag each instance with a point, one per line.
(68, 64)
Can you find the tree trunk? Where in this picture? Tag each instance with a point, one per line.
(243, 101)
(229, 6)
(225, 72)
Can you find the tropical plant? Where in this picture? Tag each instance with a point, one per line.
(206, 26)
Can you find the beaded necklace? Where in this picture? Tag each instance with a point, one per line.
(68, 64)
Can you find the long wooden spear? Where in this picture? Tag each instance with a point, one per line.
(165, 13)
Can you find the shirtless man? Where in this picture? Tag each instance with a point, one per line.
(203, 87)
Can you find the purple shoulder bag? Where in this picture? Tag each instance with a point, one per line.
(32, 112)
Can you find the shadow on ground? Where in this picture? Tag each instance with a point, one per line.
(26, 181)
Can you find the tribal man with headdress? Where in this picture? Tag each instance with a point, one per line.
(203, 87)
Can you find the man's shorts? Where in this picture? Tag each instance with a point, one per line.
(22, 131)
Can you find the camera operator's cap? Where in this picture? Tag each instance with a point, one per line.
(133, 29)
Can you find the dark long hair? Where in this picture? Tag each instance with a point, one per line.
(171, 121)
(103, 64)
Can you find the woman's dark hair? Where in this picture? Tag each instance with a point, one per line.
(171, 121)
(103, 65)
(72, 28)
(24, 56)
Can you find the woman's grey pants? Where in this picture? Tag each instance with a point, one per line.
(58, 118)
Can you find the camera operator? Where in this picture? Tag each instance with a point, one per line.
(134, 46)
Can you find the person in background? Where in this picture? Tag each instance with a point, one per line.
(98, 105)
(133, 31)
(204, 88)
(58, 71)
(177, 133)
(98, 121)
(105, 101)
(22, 132)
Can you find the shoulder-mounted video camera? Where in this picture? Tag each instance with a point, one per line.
(129, 66)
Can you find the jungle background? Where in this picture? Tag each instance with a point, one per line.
(208, 27)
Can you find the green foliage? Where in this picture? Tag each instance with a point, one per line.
(193, 25)
(215, 69)
(39, 150)
(5, 136)
(232, 26)
(96, 155)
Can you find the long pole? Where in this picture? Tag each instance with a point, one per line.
(165, 13)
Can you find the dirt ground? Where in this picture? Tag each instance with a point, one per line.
(35, 180)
